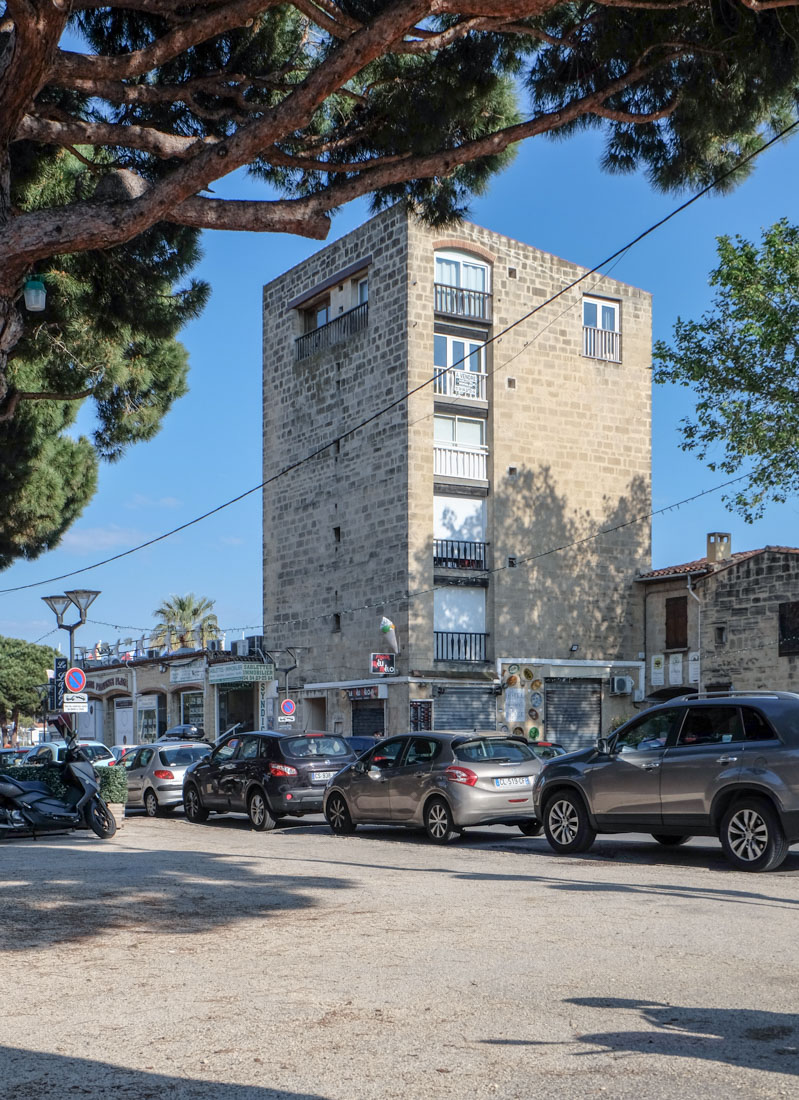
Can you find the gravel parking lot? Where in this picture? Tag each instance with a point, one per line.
(204, 962)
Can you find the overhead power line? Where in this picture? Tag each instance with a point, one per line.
(404, 397)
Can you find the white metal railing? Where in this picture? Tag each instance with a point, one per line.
(454, 460)
(460, 383)
(601, 343)
(460, 302)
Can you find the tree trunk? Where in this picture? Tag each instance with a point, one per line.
(10, 332)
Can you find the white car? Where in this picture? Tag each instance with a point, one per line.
(53, 752)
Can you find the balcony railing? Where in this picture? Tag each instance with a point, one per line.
(452, 646)
(334, 332)
(460, 383)
(457, 302)
(458, 554)
(452, 460)
(601, 343)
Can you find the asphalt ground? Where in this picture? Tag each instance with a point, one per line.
(215, 963)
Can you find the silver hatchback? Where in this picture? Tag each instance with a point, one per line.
(155, 774)
(443, 782)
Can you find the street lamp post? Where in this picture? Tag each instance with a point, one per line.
(82, 598)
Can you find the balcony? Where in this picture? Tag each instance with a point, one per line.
(458, 554)
(334, 332)
(451, 646)
(460, 383)
(457, 302)
(456, 460)
(601, 343)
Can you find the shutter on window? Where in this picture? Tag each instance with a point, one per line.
(573, 712)
(677, 622)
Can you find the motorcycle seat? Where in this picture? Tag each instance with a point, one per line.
(8, 786)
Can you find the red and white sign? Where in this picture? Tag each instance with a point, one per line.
(75, 680)
(288, 706)
(382, 664)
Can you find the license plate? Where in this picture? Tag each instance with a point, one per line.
(513, 781)
(321, 777)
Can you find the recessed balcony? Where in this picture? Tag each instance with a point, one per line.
(334, 332)
(455, 301)
(459, 460)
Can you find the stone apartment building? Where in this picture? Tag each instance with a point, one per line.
(727, 620)
(460, 470)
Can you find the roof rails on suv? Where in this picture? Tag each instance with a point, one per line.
(731, 692)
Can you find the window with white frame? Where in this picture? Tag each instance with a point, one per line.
(454, 268)
(455, 351)
(601, 329)
(361, 291)
(460, 431)
(459, 448)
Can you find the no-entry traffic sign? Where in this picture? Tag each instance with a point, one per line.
(75, 680)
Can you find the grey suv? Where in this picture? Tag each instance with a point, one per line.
(715, 764)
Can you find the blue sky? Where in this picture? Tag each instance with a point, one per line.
(555, 197)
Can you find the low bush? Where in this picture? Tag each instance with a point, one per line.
(113, 781)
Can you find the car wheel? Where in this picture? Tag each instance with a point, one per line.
(338, 815)
(193, 807)
(752, 836)
(151, 807)
(438, 823)
(670, 841)
(531, 828)
(258, 812)
(567, 825)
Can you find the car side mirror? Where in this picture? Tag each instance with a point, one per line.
(603, 746)
(374, 772)
(359, 767)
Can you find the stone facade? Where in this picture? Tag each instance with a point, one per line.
(733, 632)
(349, 534)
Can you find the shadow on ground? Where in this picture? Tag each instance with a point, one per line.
(28, 1075)
(66, 894)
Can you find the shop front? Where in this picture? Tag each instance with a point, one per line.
(245, 694)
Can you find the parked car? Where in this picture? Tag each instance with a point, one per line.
(444, 782)
(715, 764)
(266, 775)
(13, 756)
(156, 772)
(53, 752)
(184, 732)
(121, 751)
(546, 750)
(360, 745)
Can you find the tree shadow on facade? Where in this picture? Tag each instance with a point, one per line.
(558, 576)
(758, 1039)
(73, 894)
(30, 1075)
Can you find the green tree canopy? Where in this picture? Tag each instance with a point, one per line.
(185, 621)
(741, 359)
(23, 667)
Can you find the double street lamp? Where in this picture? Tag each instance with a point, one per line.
(82, 598)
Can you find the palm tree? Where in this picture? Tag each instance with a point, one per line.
(184, 619)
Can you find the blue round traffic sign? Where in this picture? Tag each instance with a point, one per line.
(288, 706)
(75, 680)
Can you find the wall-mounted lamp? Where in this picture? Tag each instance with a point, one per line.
(35, 294)
(573, 648)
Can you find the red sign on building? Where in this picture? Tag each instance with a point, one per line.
(382, 664)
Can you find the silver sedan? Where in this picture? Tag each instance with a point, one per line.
(155, 774)
(443, 782)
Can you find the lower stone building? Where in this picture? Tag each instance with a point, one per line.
(724, 621)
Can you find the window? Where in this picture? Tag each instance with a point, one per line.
(756, 728)
(316, 315)
(422, 750)
(336, 534)
(361, 291)
(677, 622)
(601, 329)
(720, 633)
(421, 715)
(226, 750)
(454, 351)
(649, 733)
(476, 751)
(385, 755)
(191, 708)
(711, 726)
(461, 431)
(249, 748)
(336, 623)
(460, 270)
(789, 629)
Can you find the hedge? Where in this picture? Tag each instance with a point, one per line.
(113, 780)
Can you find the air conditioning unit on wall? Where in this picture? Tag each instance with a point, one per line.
(621, 685)
(241, 648)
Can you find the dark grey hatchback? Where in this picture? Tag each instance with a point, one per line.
(714, 764)
(266, 774)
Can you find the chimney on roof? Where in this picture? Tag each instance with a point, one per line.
(719, 546)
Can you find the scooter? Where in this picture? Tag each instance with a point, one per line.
(31, 807)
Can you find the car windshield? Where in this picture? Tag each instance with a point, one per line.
(546, 752)
(181, 756)
(315, 746)
(493, 748)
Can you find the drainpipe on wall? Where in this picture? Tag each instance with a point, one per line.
(135, 710)
(698, 629)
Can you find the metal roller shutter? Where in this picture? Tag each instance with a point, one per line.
(465, 708)
(573, 712)
(368, 719)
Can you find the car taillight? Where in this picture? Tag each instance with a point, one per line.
(111, 763)
(457, 774)
(162, 773)
(282, 769)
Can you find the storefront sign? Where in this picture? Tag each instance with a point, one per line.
(263, 709)
(187, 674)
(675, 669)
(657, 677)
(363, 693)
(240, 672)
(382, 664)
(147, 702)
(100, 685)
(514, 705)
